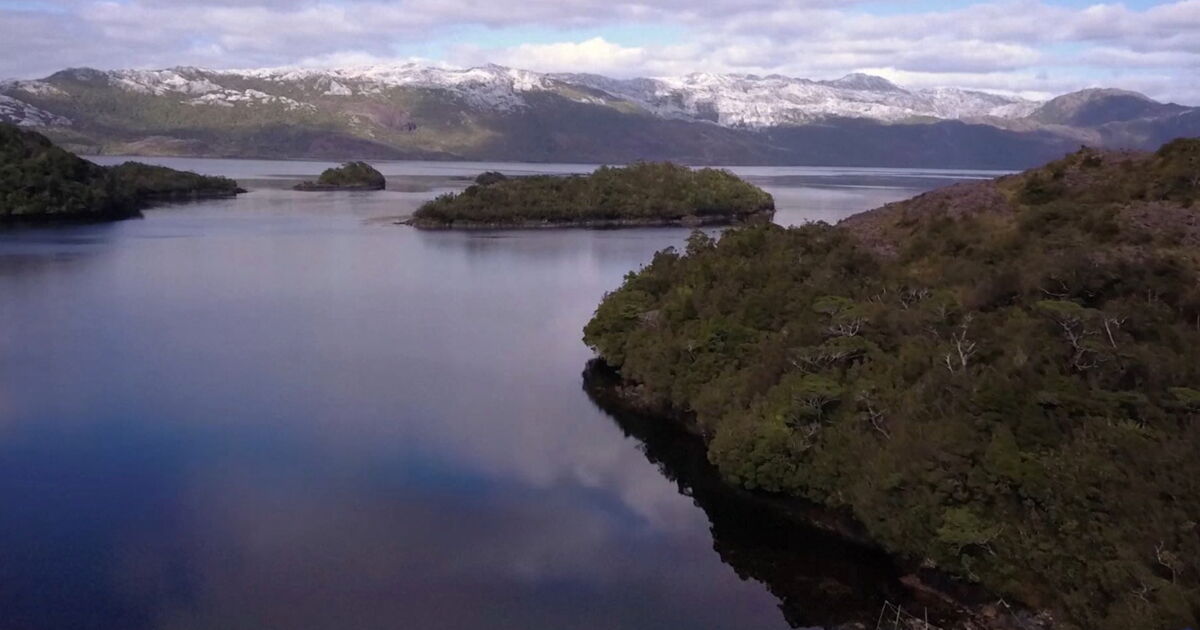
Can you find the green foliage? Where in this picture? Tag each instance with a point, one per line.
(1187, 397)
(1014, 401)
(41, 181)
(640, 192)
(1040, 190)
(961, 528)
(146, 181)
(351, 175)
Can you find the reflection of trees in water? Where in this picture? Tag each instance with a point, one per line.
(819, 577)
(552, 245)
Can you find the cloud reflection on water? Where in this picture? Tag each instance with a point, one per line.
(269, 412)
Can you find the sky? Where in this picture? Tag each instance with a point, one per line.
(1035, 48)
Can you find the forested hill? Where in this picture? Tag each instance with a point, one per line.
(997, 379)
(40, 181)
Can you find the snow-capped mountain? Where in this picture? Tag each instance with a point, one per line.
(753, 101)
(726, 99)
(498, 113)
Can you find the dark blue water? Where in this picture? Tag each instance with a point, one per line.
(282, 411)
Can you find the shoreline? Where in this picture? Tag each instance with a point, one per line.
(959, 605)
(147, 202)
(690, 221)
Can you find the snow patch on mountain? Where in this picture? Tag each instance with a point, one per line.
(23, 114)
(230, 98)
(159, 82)
(36, 88)
(337, 89)
(487, 87)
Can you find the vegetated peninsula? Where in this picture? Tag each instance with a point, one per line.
(996, 379)
(41, 182)
(642, 194)
(348, 176)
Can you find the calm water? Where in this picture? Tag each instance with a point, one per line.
(282, 411)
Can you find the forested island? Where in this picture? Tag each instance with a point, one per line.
(348, 176)
(42, 182)
(997, 380)
(641, 194)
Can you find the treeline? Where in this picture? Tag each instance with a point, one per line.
(639, 192)
(39, 180)
(999, 380)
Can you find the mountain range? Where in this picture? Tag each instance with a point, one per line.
(499, 113)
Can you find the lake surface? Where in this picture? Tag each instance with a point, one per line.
(283, 411)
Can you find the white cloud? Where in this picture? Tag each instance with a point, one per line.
(1009, 45)
(595, 55)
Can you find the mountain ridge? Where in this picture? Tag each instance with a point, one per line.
(497, 112)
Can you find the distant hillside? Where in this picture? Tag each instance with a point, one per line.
(496, 113)
(1092, 108)
(39, 181)
(996, 379)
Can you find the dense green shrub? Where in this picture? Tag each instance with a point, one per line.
(1011, 395)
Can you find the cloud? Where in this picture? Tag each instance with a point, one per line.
(1009, 45)
(593, 55)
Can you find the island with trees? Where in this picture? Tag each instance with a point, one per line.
(42, 182)
(348, 176)
(997, 380)
(641, 194)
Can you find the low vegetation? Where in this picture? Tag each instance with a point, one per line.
(39, 181)
(997, 379)
(639, 194)
(348, 176)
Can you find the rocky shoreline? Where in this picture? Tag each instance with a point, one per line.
(950, 603)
